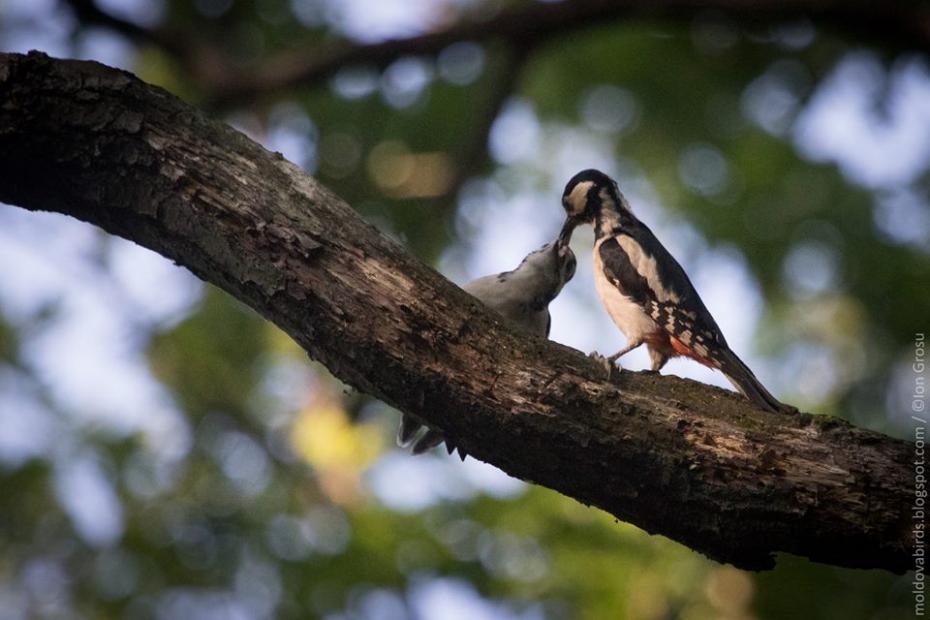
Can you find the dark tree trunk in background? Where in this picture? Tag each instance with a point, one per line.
(675, 457)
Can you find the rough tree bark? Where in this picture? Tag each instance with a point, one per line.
(689, 461)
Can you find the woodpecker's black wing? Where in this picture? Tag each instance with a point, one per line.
(639, 265)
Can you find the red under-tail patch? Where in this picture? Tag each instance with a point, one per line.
(683, 349)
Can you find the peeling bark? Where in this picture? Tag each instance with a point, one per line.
(675, 457)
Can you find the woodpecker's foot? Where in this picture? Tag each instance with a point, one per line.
(607, 363)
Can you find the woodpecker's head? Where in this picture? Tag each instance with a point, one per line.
(588, 196)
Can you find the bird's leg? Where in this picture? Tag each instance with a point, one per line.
(658, 359)
(610, 363)
(630, 345)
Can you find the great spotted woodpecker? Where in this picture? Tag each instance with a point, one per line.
(644, 289)
(521, 296)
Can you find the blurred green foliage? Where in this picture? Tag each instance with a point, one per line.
(246, 520)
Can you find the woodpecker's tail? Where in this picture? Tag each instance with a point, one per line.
(746, 383)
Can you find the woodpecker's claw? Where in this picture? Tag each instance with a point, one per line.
(607, 363)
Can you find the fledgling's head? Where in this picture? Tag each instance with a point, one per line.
(554, 262)
(587, 195)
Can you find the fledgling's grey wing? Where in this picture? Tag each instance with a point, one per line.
(504, 294)
(430, 439)
(488, 289)
(497, 293)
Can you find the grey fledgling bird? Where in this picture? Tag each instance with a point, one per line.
(521, 296)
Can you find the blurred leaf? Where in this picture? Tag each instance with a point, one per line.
(210, 358)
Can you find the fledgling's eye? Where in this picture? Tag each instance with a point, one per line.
(569, 268)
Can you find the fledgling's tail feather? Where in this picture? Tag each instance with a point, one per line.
(746, 383)
(408, 436)
(430, 439)
(407, 431)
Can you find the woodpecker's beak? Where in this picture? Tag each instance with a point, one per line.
(565, 235)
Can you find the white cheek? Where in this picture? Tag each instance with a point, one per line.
(578, 198)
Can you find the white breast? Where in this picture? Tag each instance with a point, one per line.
(626, 313)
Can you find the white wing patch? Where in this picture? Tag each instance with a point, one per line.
(646, 267)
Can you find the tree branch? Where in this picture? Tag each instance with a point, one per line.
(894, 25)
(891, 24)
(473, 155)
(88, 12)
(203, 59)
(690, 461)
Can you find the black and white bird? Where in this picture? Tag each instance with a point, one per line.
(521, 296)
(644, 289)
